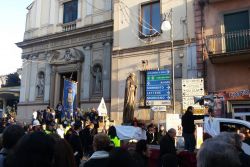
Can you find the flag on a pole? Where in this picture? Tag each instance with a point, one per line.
(102, 109)
(69, 98)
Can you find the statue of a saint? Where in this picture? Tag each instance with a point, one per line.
(129, 99)
(40, 84)
(97, 75)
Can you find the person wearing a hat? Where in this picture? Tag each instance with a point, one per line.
(36, 126)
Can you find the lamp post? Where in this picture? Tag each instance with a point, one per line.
(167, 25)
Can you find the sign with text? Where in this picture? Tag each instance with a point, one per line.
(158, 87)
(159, 108)
(189, 101)
(191, 88)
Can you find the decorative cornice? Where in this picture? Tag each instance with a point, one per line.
(150, 47)
(32, 104)
(48, 38)
(94, 101)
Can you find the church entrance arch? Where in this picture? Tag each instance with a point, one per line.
(60, 72)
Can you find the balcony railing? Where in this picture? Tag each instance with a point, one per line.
(231, 42)
(69, 26)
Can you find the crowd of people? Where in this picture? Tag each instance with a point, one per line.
(79, 142)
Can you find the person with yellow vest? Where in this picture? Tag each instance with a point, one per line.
(113, 137)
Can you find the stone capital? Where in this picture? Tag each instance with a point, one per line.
(87, 47)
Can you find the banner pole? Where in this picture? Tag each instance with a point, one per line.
(103, 122)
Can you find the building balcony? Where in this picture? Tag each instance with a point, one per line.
(229, 47)
(69, 26)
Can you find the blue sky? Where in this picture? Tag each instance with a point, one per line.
(12, 26)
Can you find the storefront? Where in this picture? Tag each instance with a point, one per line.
(234, 104)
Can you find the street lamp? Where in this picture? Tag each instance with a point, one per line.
(167, 25)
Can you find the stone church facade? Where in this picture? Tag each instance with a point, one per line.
(66, 39)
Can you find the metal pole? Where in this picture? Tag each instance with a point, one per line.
(172, 58)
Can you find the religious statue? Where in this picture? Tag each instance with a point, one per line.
(68, 55)
(129, 99)
(97, 75)
(40, 84)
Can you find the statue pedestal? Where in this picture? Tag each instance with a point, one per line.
(96, 98)
(39, 98)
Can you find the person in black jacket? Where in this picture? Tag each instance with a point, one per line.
(73, 138)
(141, 154)
(86, 140)
(100, 157)
(151, 135)
(187, 122)
(11, 135)
(167, 149)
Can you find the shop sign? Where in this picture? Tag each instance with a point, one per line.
(242, 94)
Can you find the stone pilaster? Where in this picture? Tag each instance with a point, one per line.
(85, 78)
(47, 82)
(106, 69)
(33, 79)
(52, 85)
(27, 80)
(23, 82)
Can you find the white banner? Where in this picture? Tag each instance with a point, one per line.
(102, 109)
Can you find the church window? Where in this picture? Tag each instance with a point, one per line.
(70, 11)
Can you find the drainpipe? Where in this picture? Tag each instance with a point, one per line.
(187, 35)
(202, 4)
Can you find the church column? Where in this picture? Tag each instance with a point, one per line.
(57, 86)
(52, 86)
(24, 81)
(79, 69)
(47, 82)
(27, 80)
(33, 78)
(106, 69)
(86, 74)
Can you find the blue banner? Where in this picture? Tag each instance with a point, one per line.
(69, 98)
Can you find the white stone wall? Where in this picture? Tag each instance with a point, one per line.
(131, 62)
(126, 22)
(46, 16)
(126, 37)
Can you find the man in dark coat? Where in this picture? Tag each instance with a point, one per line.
(167, 143)
(167, 149)
(11, 135)
(73, 138)
(187, 122)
